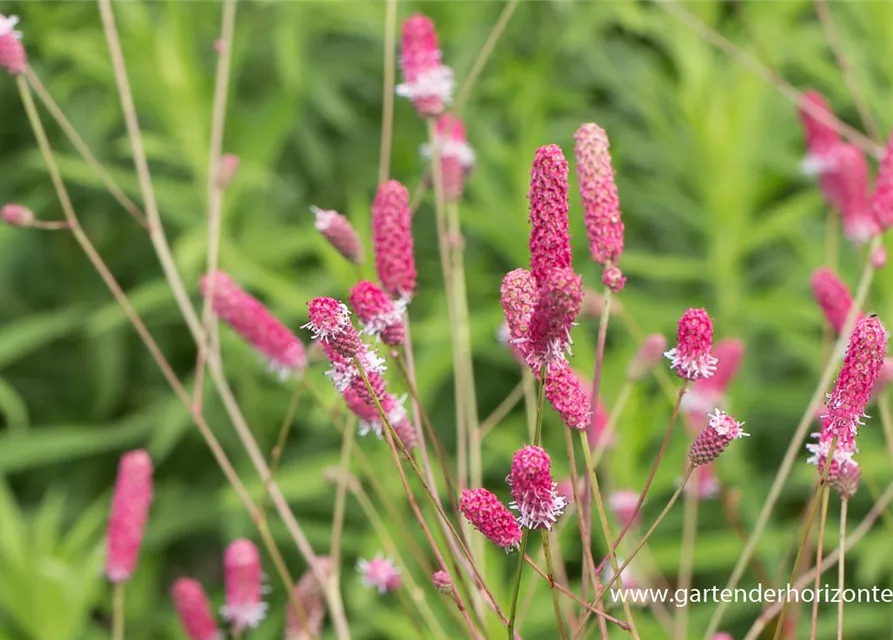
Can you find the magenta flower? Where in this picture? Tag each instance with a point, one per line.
(330, 323)
(456, 157)
(489, 516)
(340, 233)
(442, 581)
(255, 324)
(819, 134)
(558, 304)
(879, 257)
(16, 215)
(129, 513)
(244, 585)
(691, 358)
(882, 198)
(392, 238)
(426, 81)
(832, 296)
(194, 610)
(845, 183)
(713, 440)
(550, 244)
(380, 316)
(600, 202)
(12, 53)
(380, 573)
(613, 278)
(535, 498)
(518, 297)
(307, 624)
(647, 357)
(566, 393)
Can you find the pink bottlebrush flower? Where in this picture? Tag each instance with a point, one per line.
(392, 238)
(884, 378)
(340, 233)
(550, 243)
(456, 157)
(194, 610)
(879, 258)
(255, 323)
(380, 573)
(442, 581)
(535, 498)
(406, 432)
(819, 133)
(330, 322)
(227, 169)
(707, 393)
(518, 297)
(708, 483)
(712, 441)
(12, 53)
(559, 299)
(16, 215)
(306, 624)
(595, 431)
(613, 278)
(129, 513)
(380, 315)
(426, 81)
(832, 296)
(881, 200)
(489, 516)
(623, 504)
(244, 585)
(361, 402)
(566, 393)
(600, 202)
(691, 358)
(647, 357)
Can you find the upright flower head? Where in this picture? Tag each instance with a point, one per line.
(426, 81)
(489, 516)
(392, 237)
(306, 624)
(194, 610)
(380, 315)
(600, 202)
(881, 201)
(691, 358)
(330, 323)
(535, 498)
(12, 53)
(244, 585)
(255, 323)
(129, 513)
(380, 573)
(456, 157)
(337, 229)
(647, 357)
(550, 244)
(566, 393)
(558, 304)
(832, 296)
(16, 215)
(713, 440)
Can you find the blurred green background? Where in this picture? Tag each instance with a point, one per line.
(716, 214)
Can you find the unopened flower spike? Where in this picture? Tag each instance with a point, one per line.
(254, 322)
(600, 201)
(489, 516)
(380, 573)
(559, 298)
(393, 242)
(442, 581)
(129, 514)
(380, 315)
(339, 232)
(12, 53)
(691, 358)
(881, 200)
(566, 393)
(721, 430)
(17, 215)
(456, 157)
(194, 610)
(535, 498)
(426, 81)
(244, 607)
(550, 244)
(310, 597)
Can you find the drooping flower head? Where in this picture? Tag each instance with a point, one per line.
(426, 81)
(535, 498)
(194, 610)
(306, 623)
(558, 304)
(330, 323)
(599, 192)
(832, 296)
(244, 585)
(691, 358)
(442, 581)
(456, 157)
(129, 513)
(392, 238)
(567, 395)
(254, 323)
(713, 440)
(340, 233)
(489, 516)
(12, 53)
(647, 357)
(16, 215)
(881, 200)
(550, 245)
(380, 315)
(380, 573)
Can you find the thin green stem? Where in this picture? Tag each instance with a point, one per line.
(118, 611)
(502, 410)
(841, 567)
(608, 433)
(281, 439)
(516, 589)
(540, 406)
(529, 401)
(819, 551)
(347, 439)
(556, 605)
(689, 536)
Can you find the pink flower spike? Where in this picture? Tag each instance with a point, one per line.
(194, 610)
(426, 81)
(381, 316)
(881, 200)
(846, 185)
(550, 244)
(489, 516)
(337, 229)
(600, 201)
(380, 573)
(559, 299)
(613, 278)
(244, 585)
(819, 134)
(713, 440)
(456, 157)
(566, 393)
(647, 357)
(248, 317)
(832, 296)
(690, 358)
(306, 624)
(442, 581)
(227, 169)
(330, 322)
(16, 215)
(518, 297)
(392, 238)
(129, 513)
(535, 498)
(12, 53)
